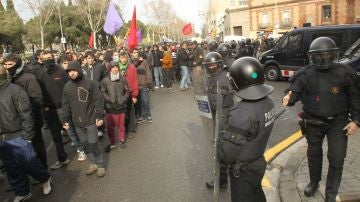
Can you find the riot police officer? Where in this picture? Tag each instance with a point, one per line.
(330, 93)
(249, 124)
(213, 45)
(225, 51)
(216, 72)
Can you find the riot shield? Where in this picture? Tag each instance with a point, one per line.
(200, 88)
(218, 129)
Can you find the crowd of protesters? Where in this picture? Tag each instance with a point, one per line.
(87, 95)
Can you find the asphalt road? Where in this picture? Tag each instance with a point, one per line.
(168, 160)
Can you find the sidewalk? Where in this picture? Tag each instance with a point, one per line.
(289, 174)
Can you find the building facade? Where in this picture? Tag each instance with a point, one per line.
(257, 17)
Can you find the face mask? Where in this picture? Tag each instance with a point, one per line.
(116, 58)
(49, 62)
(12, 71)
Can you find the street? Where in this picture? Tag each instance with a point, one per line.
(168, 160)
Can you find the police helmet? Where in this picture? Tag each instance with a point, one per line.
(323, 53)
(246, 76)
(213, 45)
(224, 49)
(233, 44)
(212, 63)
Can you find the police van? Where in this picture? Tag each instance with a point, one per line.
(290, 52)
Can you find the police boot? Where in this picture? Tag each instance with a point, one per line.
(210, 184)
(311, 188)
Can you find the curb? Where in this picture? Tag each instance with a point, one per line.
(277, 158)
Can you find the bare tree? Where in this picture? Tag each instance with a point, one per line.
(43, 9)
(94, 12)
(163, 16)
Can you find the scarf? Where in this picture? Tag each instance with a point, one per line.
(123, 68)
(114, 77)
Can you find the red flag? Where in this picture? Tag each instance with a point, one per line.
(187, 29)
(91, 40)
(132, 40)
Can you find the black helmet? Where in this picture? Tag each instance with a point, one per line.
(212, 63)
(213, 45)
(224, 49)
(247, 78)
(323, 53)
(233, 44)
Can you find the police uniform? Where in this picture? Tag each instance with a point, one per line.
(247, 130)
(329, 93)
(219, 77)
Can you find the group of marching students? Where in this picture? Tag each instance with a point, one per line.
(84, 96)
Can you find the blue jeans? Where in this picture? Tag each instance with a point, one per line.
(158, 76)
(144, 102)
(72, 133)
(184, 77)
(89, 138)
(20, 160)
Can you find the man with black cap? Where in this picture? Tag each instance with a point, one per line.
(249, 124)
(16, 134)
(21, 76)
(330, 95)
(83, 104)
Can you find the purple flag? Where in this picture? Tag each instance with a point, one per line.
(113, 21)
(139, 35)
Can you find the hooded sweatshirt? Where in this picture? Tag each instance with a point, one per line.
(53, 81)
(82, 100)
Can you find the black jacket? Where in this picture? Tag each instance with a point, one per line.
(157, 55)
(116, 94)
(196, 57)
(53, 82)
(327, 93)
(37, 69)
(183, 57)
(82, 102)
(247, 131)
(30, 84)
(15, 111)
(97, 72)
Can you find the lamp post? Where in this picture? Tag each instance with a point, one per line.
(63, 40)
(276, 19)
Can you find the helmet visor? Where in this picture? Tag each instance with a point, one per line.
(323, 59)
(212, 68)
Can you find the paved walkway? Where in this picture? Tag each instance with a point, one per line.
(295, 174)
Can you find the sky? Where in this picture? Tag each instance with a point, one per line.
(188, 10)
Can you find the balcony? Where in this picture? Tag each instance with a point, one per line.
(263, 25)
(285, 24)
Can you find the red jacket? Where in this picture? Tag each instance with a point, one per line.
(132, 79)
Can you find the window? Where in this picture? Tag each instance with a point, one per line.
(295, 41)
(326, 13)
(292, 43)
(285, 19)
(243, 3)
(238, 31)
(264, 20)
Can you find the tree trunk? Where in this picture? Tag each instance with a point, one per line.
(95, 45)
(42, 36)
